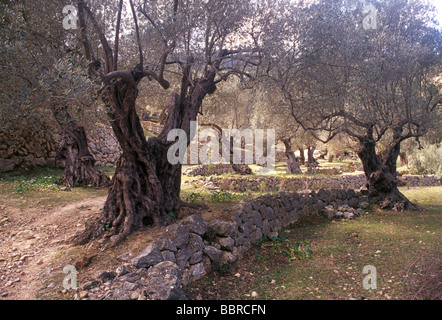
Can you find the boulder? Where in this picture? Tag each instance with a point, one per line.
(195, 223)
(149, 257)
(178, 234)
(164, 282)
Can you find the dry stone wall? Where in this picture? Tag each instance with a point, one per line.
(27, 149)
(276, 183)
(193, 247)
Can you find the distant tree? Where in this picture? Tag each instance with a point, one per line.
(374, 83)
(46, 82)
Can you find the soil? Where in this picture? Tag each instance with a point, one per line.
(35, 245)
(32, 237)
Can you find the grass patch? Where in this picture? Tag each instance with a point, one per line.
(387, 240)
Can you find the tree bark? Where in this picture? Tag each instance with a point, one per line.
(311, 161)
(146, 186)
(73, 150)
(382, 182)
(293, 165)
(301, 155)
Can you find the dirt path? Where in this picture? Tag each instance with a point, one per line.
(31, 238)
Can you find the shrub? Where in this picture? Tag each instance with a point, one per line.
(427, 160)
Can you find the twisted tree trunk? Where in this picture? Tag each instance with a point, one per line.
(146, 186)
(73, 150)
(382, 182)
(301, 155)
(293, 165)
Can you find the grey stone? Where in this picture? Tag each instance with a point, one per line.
(194, 273)
(178, 234)
(164, 282)
(270, 213)
(182, 257)
(256, 218)
(104, 276)
(353, 202)
(195, 243)
(223, 228)
(168, 256)
(227, 243)
(272, 234)
(149, 257)
(348, 215)
(122, 270)
(7, 165)
(227, 258)
(196, 257)
(166, 244)
(213, 253)
(195, 223)
(131, 277)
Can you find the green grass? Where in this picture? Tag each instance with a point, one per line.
(390, 241)
(38, 186)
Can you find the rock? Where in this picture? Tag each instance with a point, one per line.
(7, 165)
(329, 211)
(348, 215)
(149, 257)
(363, 190)
(272, 234)
(196, 257)
(178, 234)
(168, 256)
(223, 228)
(195, 223)
(164, 282)
(213, 253)
(353, 202)
(339, 214)
(122, 270)
(226, 243)
(194, 273)
(104, 276)
(124, 257)
(166, 244)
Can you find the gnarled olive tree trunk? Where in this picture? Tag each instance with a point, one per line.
(382, 182)
(146, 186)
(73, 150)
(293, 165)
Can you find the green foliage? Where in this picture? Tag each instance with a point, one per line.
(427, 160)
(170, 213)
(107, 226)
(294, 251)
(194, 197)
(221, 196)
(43, 181)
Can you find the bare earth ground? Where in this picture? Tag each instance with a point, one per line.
(35, 247)
(31, 240)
